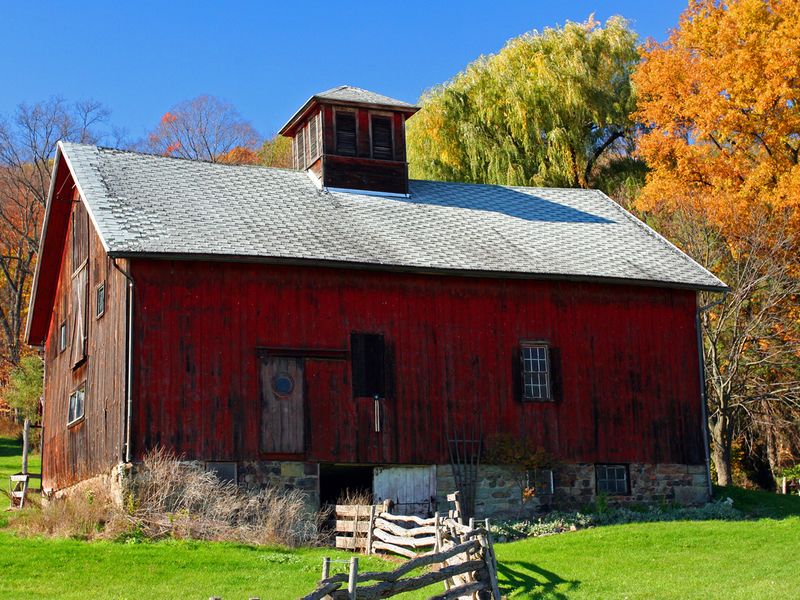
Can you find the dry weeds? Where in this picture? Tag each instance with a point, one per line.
(173, 498)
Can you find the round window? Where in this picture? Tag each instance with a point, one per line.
(282, 384)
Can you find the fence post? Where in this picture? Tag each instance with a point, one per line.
(369, 530)
(326, 568)
(353, 580)
(783, 486)
(488, 551)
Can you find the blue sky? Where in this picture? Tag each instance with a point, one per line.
(141, 57)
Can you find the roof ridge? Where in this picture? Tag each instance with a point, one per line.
(182, 158)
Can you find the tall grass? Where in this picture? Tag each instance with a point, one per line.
(170, 498)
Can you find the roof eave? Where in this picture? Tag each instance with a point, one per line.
(42, 238)
(313, 262)
(287, 128)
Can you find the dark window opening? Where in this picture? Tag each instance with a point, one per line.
(612, 479)
(341, 484)
(368, 355)
(80, 312)
(346, 133)
(535, 371)
(76, 404)
(225, 471)
(382, 138)
(62, 336)
(100, 300)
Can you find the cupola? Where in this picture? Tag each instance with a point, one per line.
(350, 138)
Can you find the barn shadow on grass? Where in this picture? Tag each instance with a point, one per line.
(535, 582)
(9, 447)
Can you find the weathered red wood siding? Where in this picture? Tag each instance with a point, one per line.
(92, 445)
(628, 362)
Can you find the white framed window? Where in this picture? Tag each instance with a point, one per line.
(535, 369)
(612, 479)
(76, 404)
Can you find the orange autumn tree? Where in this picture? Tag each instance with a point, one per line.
(718, 105)
(720, 101)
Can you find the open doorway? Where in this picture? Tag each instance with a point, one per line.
(337, 482)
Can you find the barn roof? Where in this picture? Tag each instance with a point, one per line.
(348, 94)
(157, 206)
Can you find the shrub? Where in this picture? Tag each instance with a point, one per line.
(559, 522)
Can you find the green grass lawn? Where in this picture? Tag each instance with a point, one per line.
(712, 559)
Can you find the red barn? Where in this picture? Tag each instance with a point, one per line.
(338, 325)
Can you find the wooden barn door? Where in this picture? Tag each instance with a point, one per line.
(412, 489)
(282, 405)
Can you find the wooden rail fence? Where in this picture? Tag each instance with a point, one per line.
(462, 556)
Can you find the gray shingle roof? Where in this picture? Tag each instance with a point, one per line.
(348, 93)
(144, 204)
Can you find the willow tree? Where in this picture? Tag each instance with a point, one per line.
(551, 108)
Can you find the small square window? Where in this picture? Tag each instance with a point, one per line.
(535, 371)
(100, 300)
(225, 471)
(76, 404)
(62, 336)
(612, 479)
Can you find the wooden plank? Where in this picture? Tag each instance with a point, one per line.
(403, 531)
(352, 510)
(349, 543)
(405, 541)
(378, 545)
(407, 519)
(343, 526)
(460, 591)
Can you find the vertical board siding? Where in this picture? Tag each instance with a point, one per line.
(93, 445)
(626, 357)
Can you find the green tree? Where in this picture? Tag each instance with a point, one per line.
(276, 152)
(23, 393)
(24, 387)
(551, 108)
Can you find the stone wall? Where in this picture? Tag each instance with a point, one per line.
(499, 495)
(289, 475)
(112, 482)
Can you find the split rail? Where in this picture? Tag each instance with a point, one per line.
(459, 556)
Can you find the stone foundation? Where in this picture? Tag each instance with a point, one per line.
(288, 475)
(499, 496)
(113, 482)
